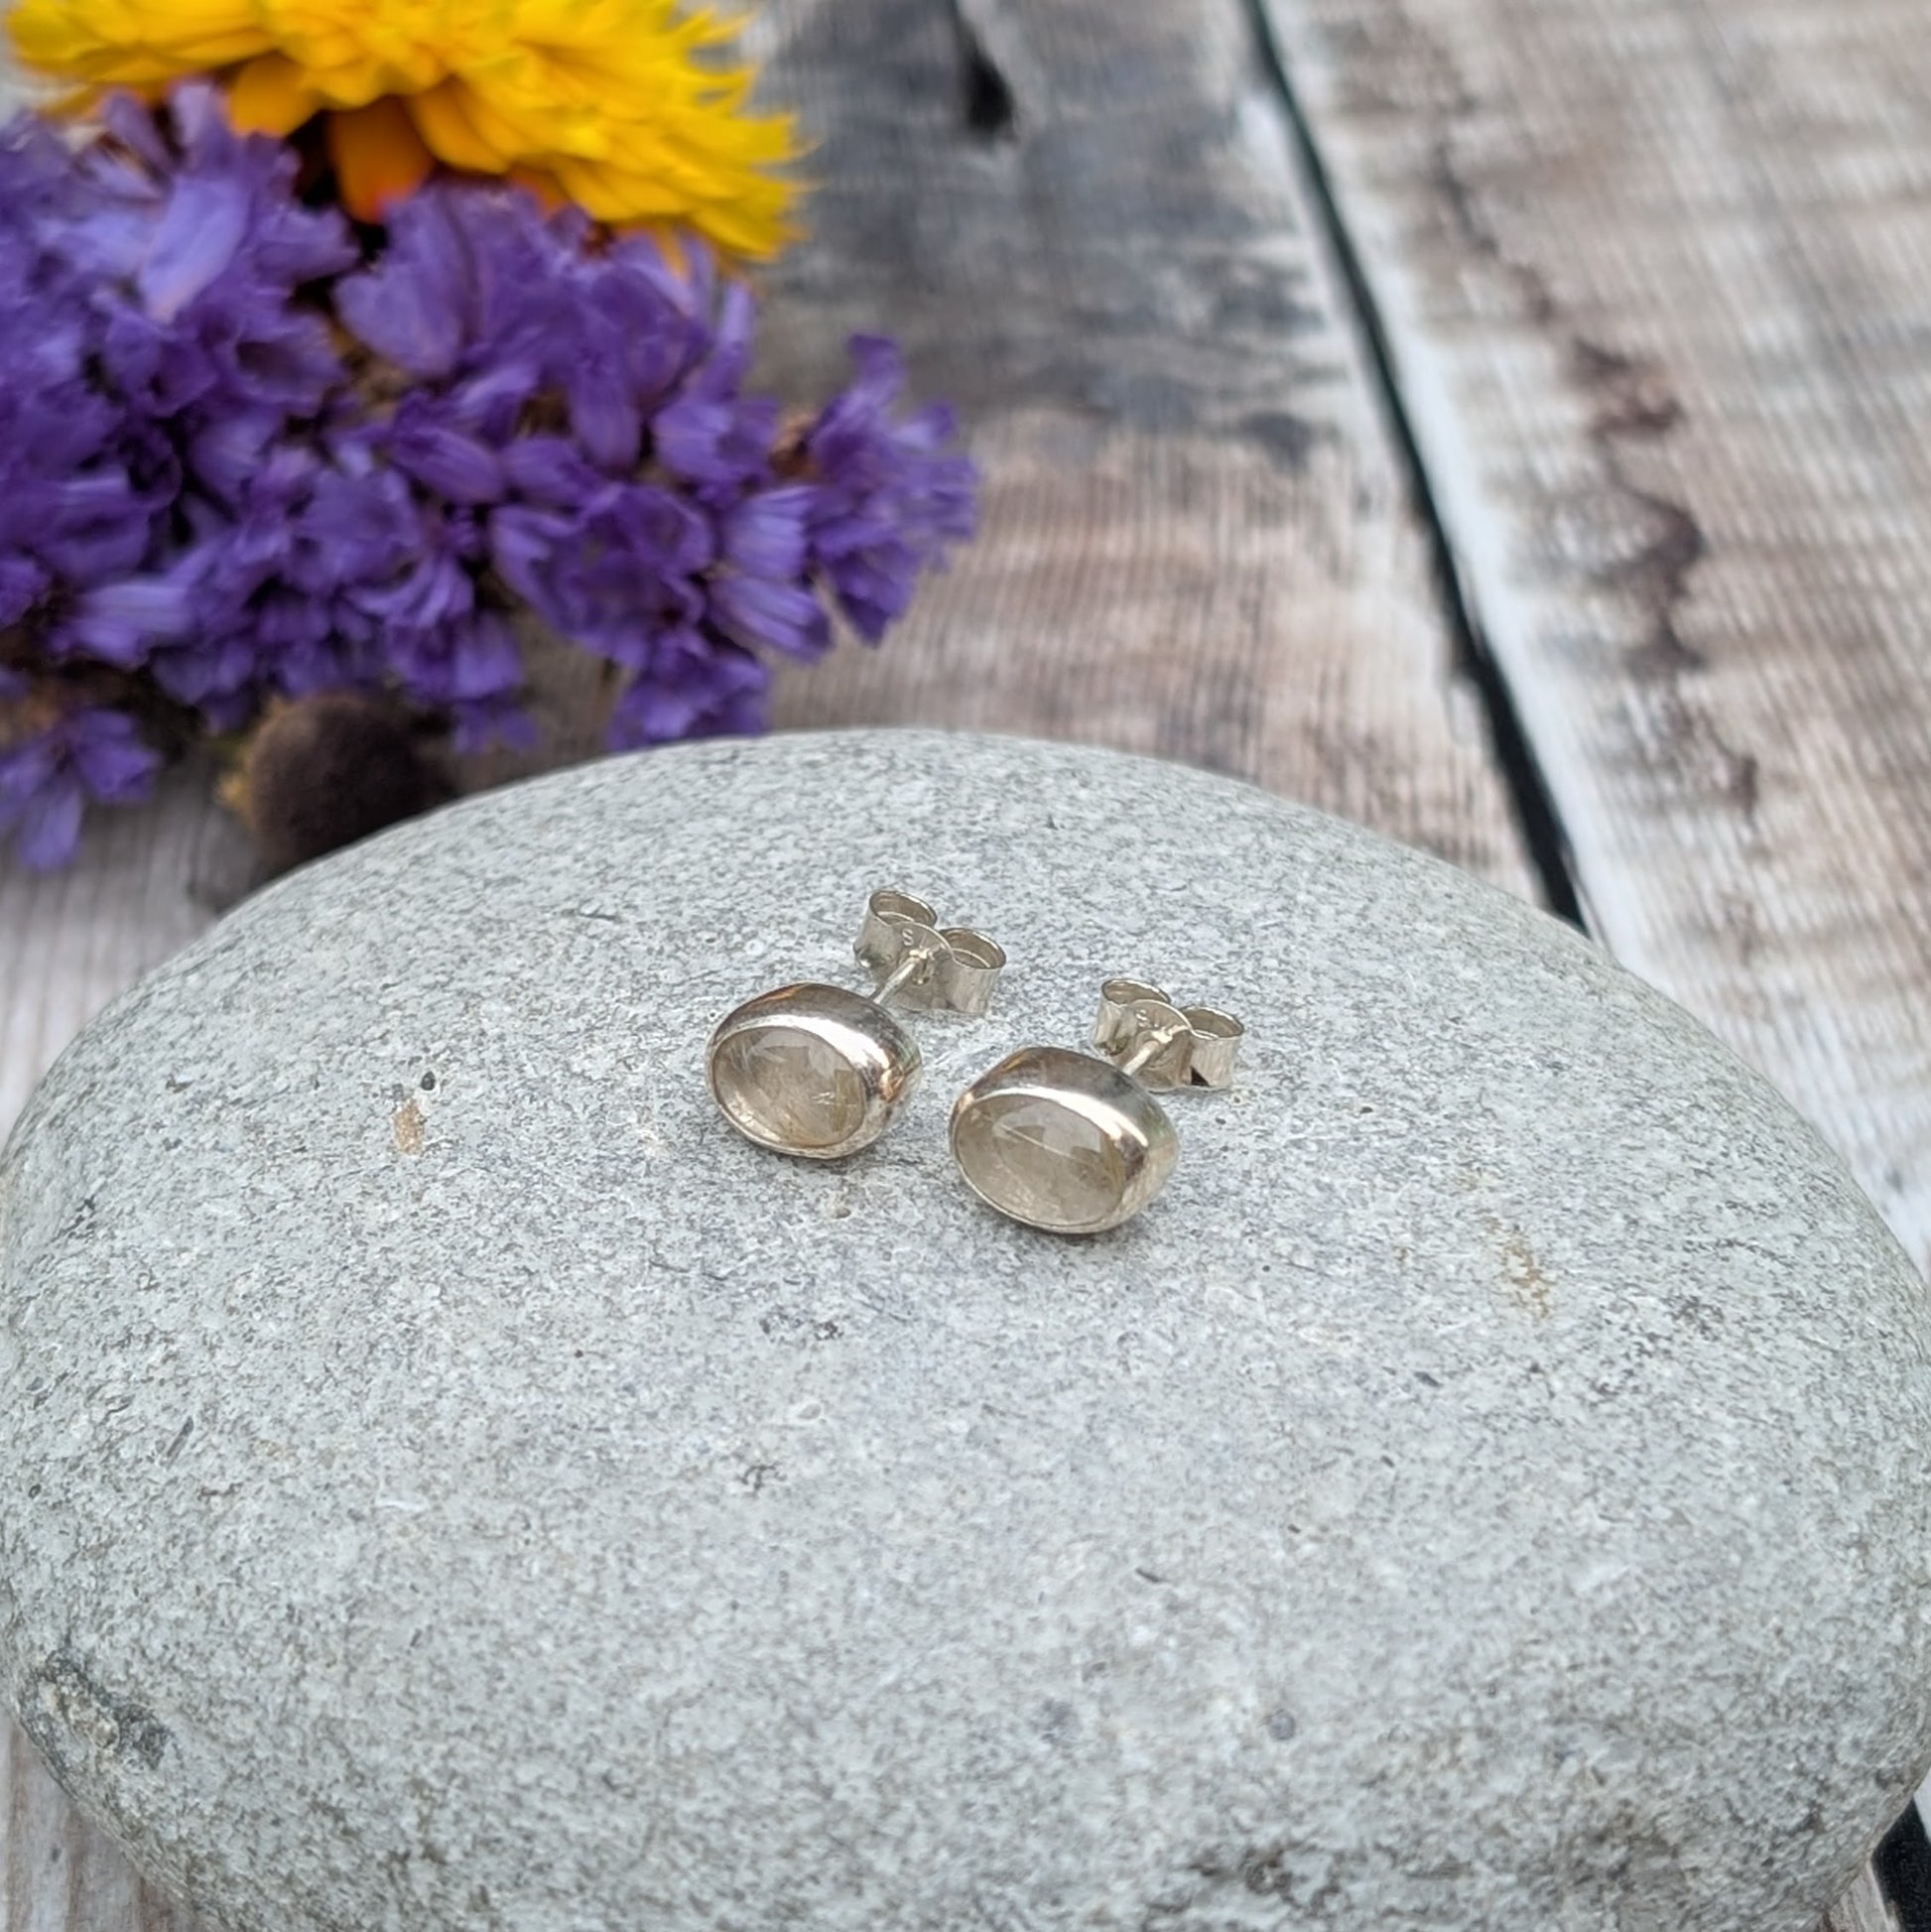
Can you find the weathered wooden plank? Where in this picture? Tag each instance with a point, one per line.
(70, 941)
(1651, 276)
(1197, 537)
(1863, 1909)
(59, 1875)
(1085, 221)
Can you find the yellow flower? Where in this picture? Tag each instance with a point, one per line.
(618, 105)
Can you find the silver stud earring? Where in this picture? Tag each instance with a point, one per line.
(1075, 1144)
(819, 1071)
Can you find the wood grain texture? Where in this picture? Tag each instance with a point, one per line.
(152, 880)
(1863, 1908)
(1085, 223)
(59, 1875)
(1197, 540)
(1652, 280)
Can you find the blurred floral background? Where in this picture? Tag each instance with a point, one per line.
(361, 362)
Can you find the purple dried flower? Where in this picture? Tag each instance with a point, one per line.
(73, 512)
(416, 307)
(47, 780)
(149, 323)
(429, 442)
(551, 471)
(891, 496)
(118, 623)
(469, 661)
(758, 592)
(205, 257)
(549, 374)
(624, 334)
(615, 574)
(711, 435)
(478, 297)
(694, 686)
(216, 491)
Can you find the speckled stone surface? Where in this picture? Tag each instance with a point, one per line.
(448, 1479)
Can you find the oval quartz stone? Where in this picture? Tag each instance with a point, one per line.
(1063, 1141)
(782, 1084)
(1042, 1161)
(809, 1069)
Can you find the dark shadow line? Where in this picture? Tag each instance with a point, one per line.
(1535, 807)
(1903, 1864)
(985, 94)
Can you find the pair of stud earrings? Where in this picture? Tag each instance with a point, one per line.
(1060, 1140)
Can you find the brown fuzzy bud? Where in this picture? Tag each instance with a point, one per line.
(320, 773)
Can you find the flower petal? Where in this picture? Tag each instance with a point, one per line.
(108, 753)
(379, 157)
(120, 621)
(50, 827)
(412, 308)
(765, 534)
(785, 616)
(449, 131)
(206, 219)
(272, 95)
(454, 465)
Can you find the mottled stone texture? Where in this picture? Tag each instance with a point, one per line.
(450, 1480)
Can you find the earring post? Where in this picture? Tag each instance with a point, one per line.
(914, 962)
(1152, 1045)
(926, 967)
